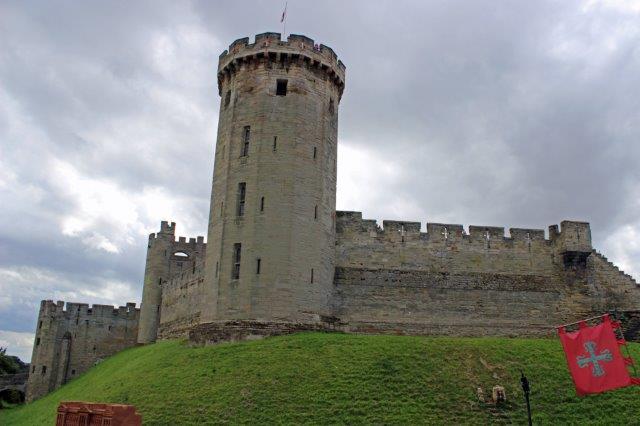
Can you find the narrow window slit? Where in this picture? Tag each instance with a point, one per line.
(237, 249)
(242, 193)
(246, 137)
(281, 88)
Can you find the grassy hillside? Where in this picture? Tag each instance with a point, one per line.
(337, 378)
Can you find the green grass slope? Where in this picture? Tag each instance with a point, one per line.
(318, 378)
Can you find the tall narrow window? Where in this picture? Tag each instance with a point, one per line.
(242, 193)
(281, 88)
(261, 204)
(275, 143)
(315, 211)
(216, 269)
(315, 152)
(331, 107)
(258, 262)
(37, 341)
(227, 98)
(221, 208)
(311, 275)
(44, 369)
(237, 249)
(246, 137)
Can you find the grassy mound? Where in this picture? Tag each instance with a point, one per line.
(337, 378)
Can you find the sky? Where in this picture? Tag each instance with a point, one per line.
(506, 113)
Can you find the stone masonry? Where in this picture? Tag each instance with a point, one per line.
(281, 259)
(70, 340)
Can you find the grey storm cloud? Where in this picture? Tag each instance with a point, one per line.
(489, 113)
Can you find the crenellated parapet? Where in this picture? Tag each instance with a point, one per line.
(68, 310)
(178, 252)
(269, 50)
(571, 237)
(167, 233)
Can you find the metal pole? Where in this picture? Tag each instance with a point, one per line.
(525, 388)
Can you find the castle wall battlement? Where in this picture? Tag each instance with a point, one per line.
(351, 225)
(268, 49)
(397, 279)
(68, 310)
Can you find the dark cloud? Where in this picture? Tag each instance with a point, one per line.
(511, 114)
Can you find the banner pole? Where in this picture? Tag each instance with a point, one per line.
(526, 389)
(633, 364)
(584, 320)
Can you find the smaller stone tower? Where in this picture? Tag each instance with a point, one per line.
(165, 257)
(572, 242)
(71, 339)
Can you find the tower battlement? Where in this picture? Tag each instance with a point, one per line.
(268, 49)
(180, 244)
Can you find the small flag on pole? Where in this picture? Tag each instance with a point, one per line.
(284, 13)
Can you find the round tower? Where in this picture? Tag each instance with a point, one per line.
(271, 243)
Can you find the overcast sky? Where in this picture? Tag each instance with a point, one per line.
(513, 113)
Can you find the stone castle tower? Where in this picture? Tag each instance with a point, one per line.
(272, 216)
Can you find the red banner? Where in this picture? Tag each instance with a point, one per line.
(594, 358)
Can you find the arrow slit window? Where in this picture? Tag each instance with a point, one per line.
(237, 249)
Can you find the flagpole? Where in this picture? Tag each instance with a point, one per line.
(526, 390)
(577, 322)
(284, 21)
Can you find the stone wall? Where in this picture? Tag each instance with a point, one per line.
(397, 279)
(69, 341)
(182, 298)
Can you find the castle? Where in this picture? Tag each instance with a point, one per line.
(280, 258)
